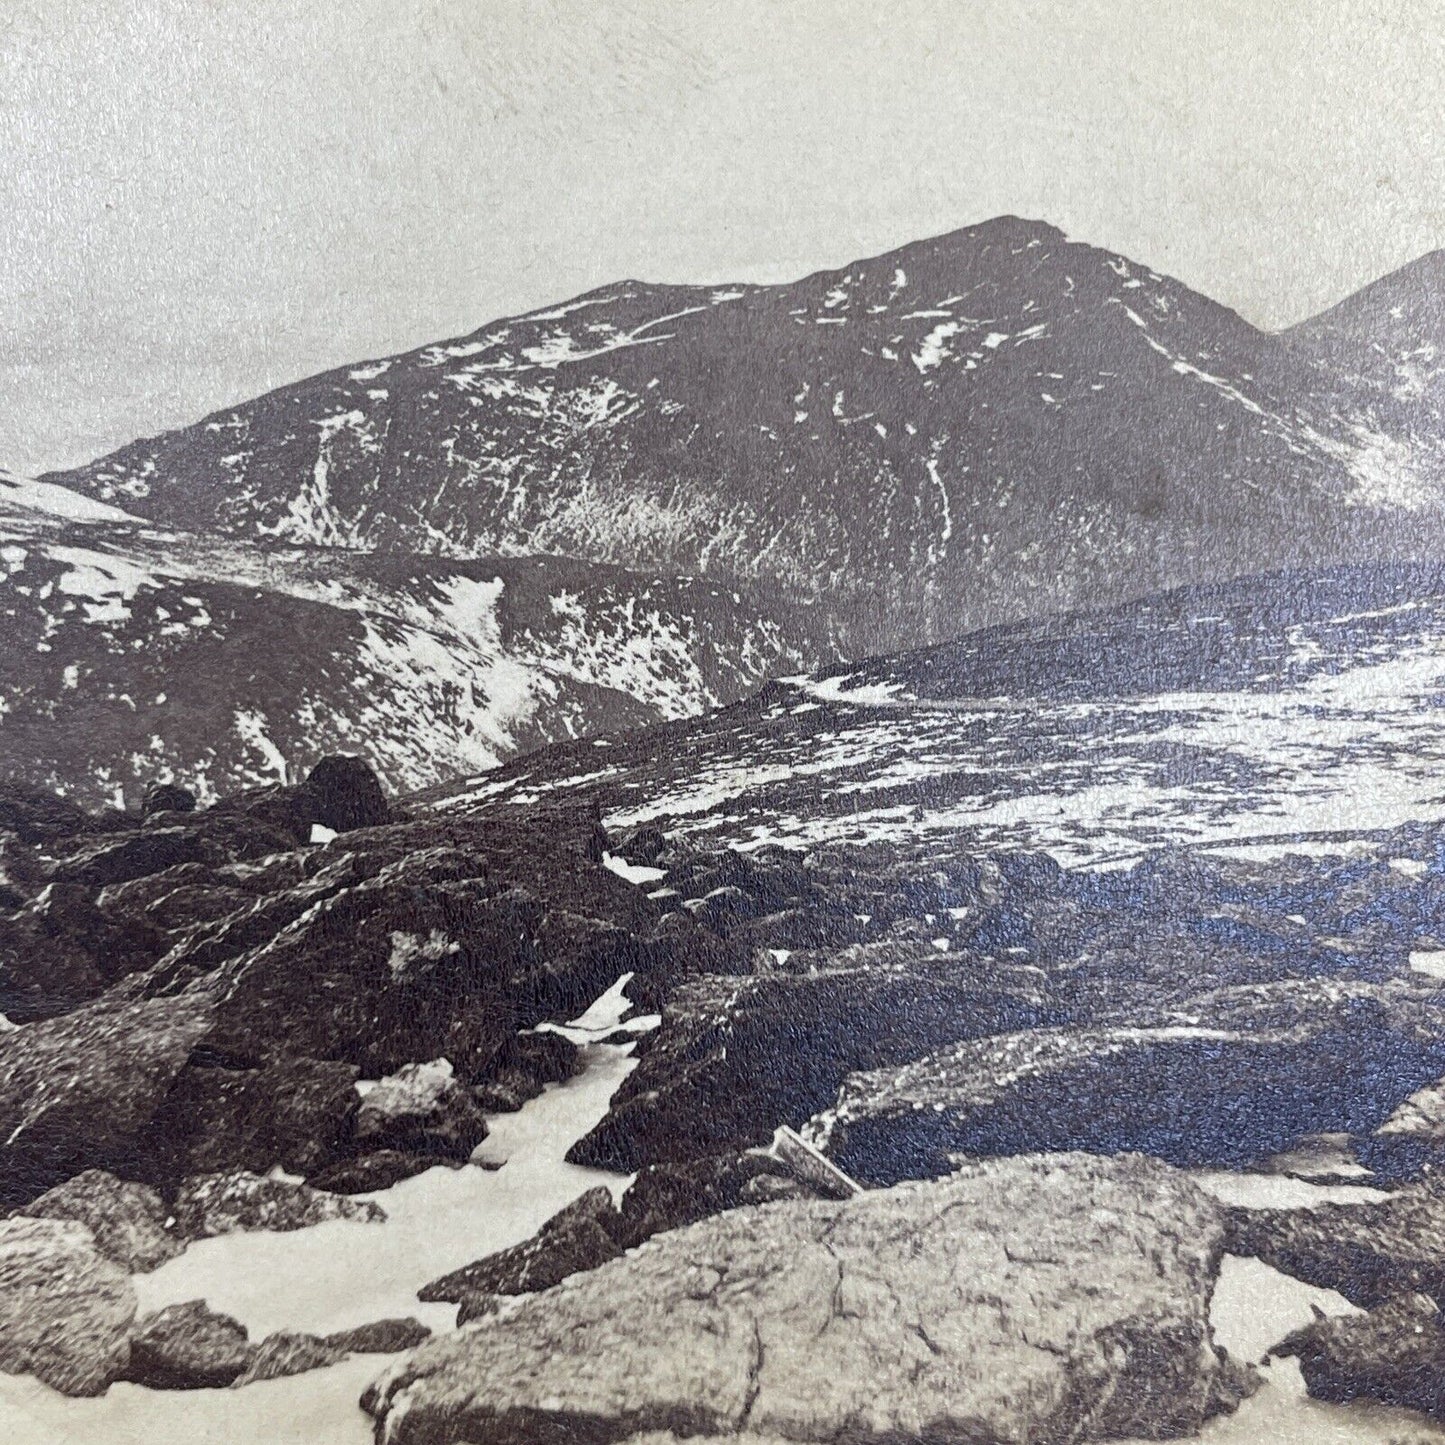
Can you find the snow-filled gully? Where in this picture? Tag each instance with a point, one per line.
(332, 1276)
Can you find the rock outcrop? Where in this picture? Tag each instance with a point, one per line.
(1061, 1297)
(421, 1109)
(288, 1352)
(65, 1309)
(735, 1057)
(76, 1091)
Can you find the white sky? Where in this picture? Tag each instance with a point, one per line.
(202, 199)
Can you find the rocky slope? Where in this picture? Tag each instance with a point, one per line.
(990, 424)
(136, 651)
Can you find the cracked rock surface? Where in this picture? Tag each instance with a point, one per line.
(1041, 1298)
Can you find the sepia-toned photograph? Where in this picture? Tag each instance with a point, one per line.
(722, 721)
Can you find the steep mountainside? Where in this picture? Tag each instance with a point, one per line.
(134, 653)
(974, 428)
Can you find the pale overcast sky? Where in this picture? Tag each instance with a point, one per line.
(202, 199)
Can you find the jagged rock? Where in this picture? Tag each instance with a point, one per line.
(1221, 1078)
(579, 1237)
(77, 1091)
(380, 1337)
(214, 1204)
(188, 1347)
(377, 1171)
(421, 1109)
(288, 1353)
(167, 798)
(522, 1068)
(348, 794)
(65, 1309)
(128, 1220)
(736, 1057)
(1056, 1297)
(1369, 1252)
(296, 1113)
(1395, 1354)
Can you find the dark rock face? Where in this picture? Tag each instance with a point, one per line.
(65, 1309)
(864, 1320)
(1218, 1079)
(736, 1057)
(37, 816)
(168, 798)
(380, 1337)
(61, 949)
(1370, 1253)
(128, 1220)
(1395, 1355)
(77, 1091)
(188, 1347)
(214, 1204)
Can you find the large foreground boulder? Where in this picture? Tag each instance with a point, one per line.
(76, 1091)
(1221, 1078)
(65, 1309)
(1043, 1298)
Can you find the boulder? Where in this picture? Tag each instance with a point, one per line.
(579, 1237)
(1217, 1079)
(1369, 1252)
(380, 1337)
(1395, 1355)
(188, 1347)
(347, 793)
(1043, 1298)
(288, 1353)
(65, 1309)
(212, 1204)
(421, 1109)
(295, 1113)
(128, 1220)
(380, 1170)
(77, 1091)
(735, 1057)
(167, 798)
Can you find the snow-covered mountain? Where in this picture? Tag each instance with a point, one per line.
(1253, 714)
(975, 428)
(135, 652)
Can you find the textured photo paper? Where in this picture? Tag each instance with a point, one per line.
(722, 722)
